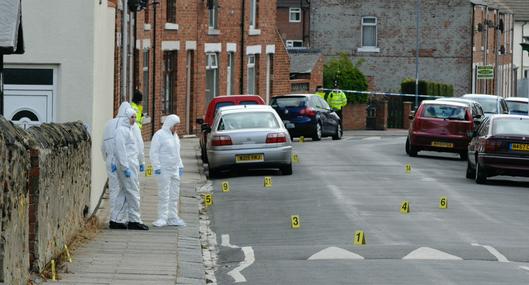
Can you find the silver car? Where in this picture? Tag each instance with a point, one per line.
(248, 136)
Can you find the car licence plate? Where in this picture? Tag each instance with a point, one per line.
(243, 158)
(520, 146)
(442, 144)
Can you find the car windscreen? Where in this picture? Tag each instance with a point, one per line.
(223, 104)
(289, 102)
(444, 112)
(489, 105)
(517, 107)
(247, 120)
(510, 126)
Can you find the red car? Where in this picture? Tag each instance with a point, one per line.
(499, 147)
(442, 126)
(217, 103)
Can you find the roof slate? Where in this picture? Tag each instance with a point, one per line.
(303, 60)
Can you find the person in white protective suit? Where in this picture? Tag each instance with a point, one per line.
(118, 211)
(127, 155)
(168, 169)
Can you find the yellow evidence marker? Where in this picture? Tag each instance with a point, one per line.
(405, 207)
(359, 239)
(68, 253)
(225, 186)
(267, 182)
(295, 158)
(295, 221)
(53, 271)
(408, 168)
(302, 139)
(148, 171)
(208, 200)
(443, 202)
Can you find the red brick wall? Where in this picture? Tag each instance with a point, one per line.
(288, 31)
(405, 115)
(316, 77)
(354, 116)
(281, 85)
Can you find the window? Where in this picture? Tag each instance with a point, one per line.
(171, 11)
(213, 16)
(247, 120)
(212, 76)
(369, 32)
(146, 15)
(170, 69)
(294, 43)
(146, 80)
(229, 74)
(253, 74)
(254, 13)
(294, 15)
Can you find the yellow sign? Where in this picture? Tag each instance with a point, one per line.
(295, 222)
(268, 182)
(302, 139)
(443, 202)
(405, 207)
(225, 186)
(208, 200)
(53, 271)
(408, 168)
(148, 171)
(359, 239)
(67, 253)
(295, 158)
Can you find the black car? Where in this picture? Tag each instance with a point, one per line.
(307, 115)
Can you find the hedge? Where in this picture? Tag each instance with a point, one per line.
(427, 88)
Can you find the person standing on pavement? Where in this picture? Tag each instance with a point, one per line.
(168, 169)
(337, 100)
(320, 92)
(127, 154)
(137, 100)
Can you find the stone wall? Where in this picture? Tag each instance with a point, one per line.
(14, 167)
(44, 195)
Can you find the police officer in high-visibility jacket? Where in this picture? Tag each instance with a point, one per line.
(320, 92)
(337, 100)
(136, 104)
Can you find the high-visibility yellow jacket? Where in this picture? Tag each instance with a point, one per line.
(139, 113)
(321, 94)
(337, 99)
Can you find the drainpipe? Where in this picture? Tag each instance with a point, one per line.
(124, 51)
(472, 71)
(523, 34)
(154, 3)
(243, 19)
(496, 55)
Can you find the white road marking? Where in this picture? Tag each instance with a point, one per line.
(372, 138)
(493, 251)
(249, 258)
(427, 253)
(225, 241)
(332, 253)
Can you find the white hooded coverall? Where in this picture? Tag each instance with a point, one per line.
(165, 156)
(118, 210)
(128, 156)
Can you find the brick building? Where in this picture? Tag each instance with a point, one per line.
(293, 22)
(381, 33)
(306, 70)
(204, 49)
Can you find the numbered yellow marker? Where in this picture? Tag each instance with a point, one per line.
(267, 182)
(295, 222)
(443, 202)
(225, 186)
(405, 207)
(148, 171)
(295, 158)
(67, 253)
(208, 200)
(53, 272)
(302, 139)
(359, 239)
(408, 168)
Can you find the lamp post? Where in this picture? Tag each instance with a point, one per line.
(417, 46)
(525, 47)
(154, 4)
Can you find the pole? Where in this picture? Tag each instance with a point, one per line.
(1, 84)
(243, 18)
(124, 51)
(523, 34)
(154, 3)
(417, 46)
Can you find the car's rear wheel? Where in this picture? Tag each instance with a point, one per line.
(410, 149)
(317, 132)
(481, 175)
(339, 133)
(286, 169)
(471, 173)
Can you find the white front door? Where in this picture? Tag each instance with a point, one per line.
(28, 106)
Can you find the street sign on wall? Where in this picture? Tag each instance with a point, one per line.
(485, 72)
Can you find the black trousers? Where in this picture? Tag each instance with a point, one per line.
(339, 113)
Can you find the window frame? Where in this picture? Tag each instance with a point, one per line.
(252, 65)
(229, 73)
(146, 77)
(213, 17)
(170, 16)
(375, 24)
(254, 14)
(294, 11)
(170, 58)
(290, 43)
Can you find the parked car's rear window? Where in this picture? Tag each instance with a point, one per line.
(248, 103)
(517, 107)
(247, 120)
(510, 126)
(444, 112)
(223, 104)
(489, 105)
(289, 102)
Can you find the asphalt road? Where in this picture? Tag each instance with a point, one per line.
(358, 183)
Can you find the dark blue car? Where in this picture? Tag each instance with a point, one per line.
(307, 115)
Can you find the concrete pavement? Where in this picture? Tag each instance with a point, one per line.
(170, 255)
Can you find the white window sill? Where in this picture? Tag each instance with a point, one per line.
(171, 26)
(254, 32)
(213, 32)
(368, 49)
(146, 27)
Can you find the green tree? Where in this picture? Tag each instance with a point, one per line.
(347, 76)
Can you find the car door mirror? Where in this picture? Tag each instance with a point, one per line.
(200, 121)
